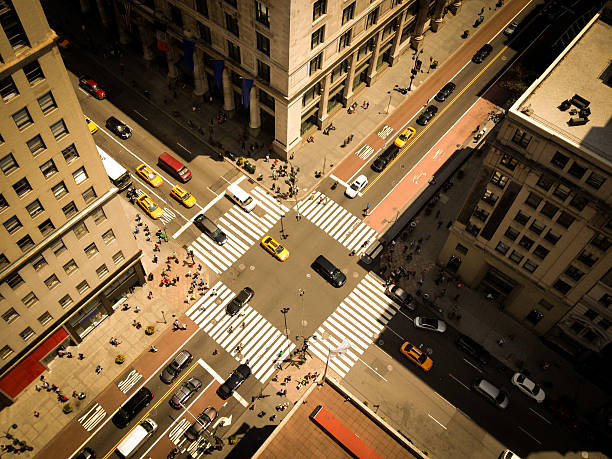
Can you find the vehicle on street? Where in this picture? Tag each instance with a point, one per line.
(86, 453)
(208, 227)
(243, 297)
(182, 396)
(427, 115)
(119, 128)
(489, 391)
(400, 296)
(509, 31)
(329, 271)
(151, 177)
(528, 387)
(117, 174)
(174, 368)
(91, 125)
(417, 356)
(355, 188)
(149, 206)
(135, 439)
(202, 422)
(183, 196)
(428, 323)
(404, 137)
(273, 246)
(385, 158)
(446, 91)
(235, 380)
(482, 53)
(134, 405)
(507, 454)
(471, 347)
(91, 86)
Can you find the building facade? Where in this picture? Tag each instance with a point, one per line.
(535, 233)
(67, 254)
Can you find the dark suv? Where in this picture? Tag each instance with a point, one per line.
(173, 369)
(427, 115)
(445, 92)
(238, 376)
(482, 53)
(240, 300)
(385, 158)
(469, 346)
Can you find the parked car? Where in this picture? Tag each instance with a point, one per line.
(404, 137)
(528, 387)
(119, 128)
(235, 380)
(493, 394)
(400, 296)
(446, 91)
(173, 369)
(182, 396)
(355, 188)
(86, 453)
(471, 347)
(385, 158)
(91, 86)
(482, 53)
(202, 422)
(239, 301)
(427, 115)
(207, 226)
(428, 323)
(417, 356)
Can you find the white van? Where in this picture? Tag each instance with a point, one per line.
(241, 197)
(134, 440)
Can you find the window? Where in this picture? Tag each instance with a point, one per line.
(70, 209)
(80, 230)
(511, 233)
(10, 316)
(481, 214)
(545, 182)
(48, 169)
(14, 280)
(348, 13)
(36, 145)
(82, 287)
(521, 138)
(549, 210)
(70, 153)
(29, 300)
(461, 249)
(319, 9)
(3, 203)
(516, 257)
(46, 227)
(59, 190)
(6, 352)
(8, 164)
(38, 262)
(98, 215)
(108, 236)
(579, 202)
(13, 29)
(262, 13)
(231, 24)
(562, 286)
(263, 71)
(89, 194)
(263, 44)
(65, 301)
(317, 37)
(587, 258)
(537, 227)
(595, 180)
(4, 262)
(58, 247)
(522, 218)
(502, 248)
(47, 103)
(22, 118)
(472, 229)
(559, 160)
(574, 273)
(340, 70)
(526, 243)
(118, 257)
(91, 250)
(315, 64)
(561, 191)
(8, 90)
(45, 318)
(70, 267)
(266, 99)
(12, 224)
(33, 73)
(541, 252)
(552, 237)
(234, 3)
(51, 282)
(345, 40)
(565, 219)
(175, 16)
(533, 200)
(205, 34)
(202, 7)
(22, 187)
(59, 129)
(102, 271)
(489, 197)
(233, 51)
(372, 18)
(530, 266)
(27, 333)
(80, 175)
(365, 49)
(534, 317)
(601, 242)
(25, 243)
(577, 170)
(546, 305)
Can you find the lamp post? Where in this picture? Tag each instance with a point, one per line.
(415, 68)
(301, 293)
(284, 312)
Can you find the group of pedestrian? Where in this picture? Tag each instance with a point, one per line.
(45, 385)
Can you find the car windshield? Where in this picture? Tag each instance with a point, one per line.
(403, 136)
(279, 249)
(248, 201)
(422, 358)
(520, 378)
(336, 274)
(500, 397)
(183, 171)
(150, 174)
(186, 196)
(120, 127)
(217, 232)
(355, 186)
(171, 370)
(433, 323)
(151, 206)
(536, 390)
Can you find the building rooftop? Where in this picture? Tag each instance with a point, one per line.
(583, 69)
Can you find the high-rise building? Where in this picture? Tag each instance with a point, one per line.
(67, 255)
(534, 234)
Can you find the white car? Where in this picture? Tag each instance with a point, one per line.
(509, 31)
(358, 184)
(428, 323)
(527, 386)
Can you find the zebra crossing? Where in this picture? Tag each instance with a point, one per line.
(365, 151)
(385, 132)
(167, 215)
(242, 229)
(359, 319)
(92, 417)
(336, 221)
(247, 336)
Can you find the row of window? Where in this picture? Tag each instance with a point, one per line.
(33, 73)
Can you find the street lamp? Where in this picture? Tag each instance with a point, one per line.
(415, 68)
(301, 293)
(284, 312)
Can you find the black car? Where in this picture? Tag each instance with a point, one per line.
(445, 92)
(86, 453)
(427, 115)
(206, 225)
(173, 369)
(181, 396)
(202, 422)
(471, 347)
(482, 53)
(238, 376)
(119, 128)
(385, 158)
(239, 301)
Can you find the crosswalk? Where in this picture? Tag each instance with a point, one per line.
(246, 336)
(336, 221)
(385, 132)
(167, 215)
(92, 417)
(364, 152)
(243, 230)
(359, 319)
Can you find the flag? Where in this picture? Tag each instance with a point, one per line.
(218, 66)
(247, 84)
(188, 47)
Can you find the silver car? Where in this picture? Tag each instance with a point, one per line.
(202, 422)
(181, 396)
(427, 323)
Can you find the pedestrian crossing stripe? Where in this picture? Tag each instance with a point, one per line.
(242, 229)
(247, 336)
(92, 417)
(359, 319)
(385, 131)
(365, 151)
(126, 384)
(167, 215)
(337, 222)
(175, 435)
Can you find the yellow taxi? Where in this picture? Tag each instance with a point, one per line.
(272, 246)
(404, 137)
(183, 196)
(152, 177)
(91, 125)
(417, 356)
(149, 206)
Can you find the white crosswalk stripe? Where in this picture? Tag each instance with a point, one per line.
(360, 318)
(385, 131)
(365, 151)
(92, 417)
(167, 215)
(335, 220)
(243, 230)
(259, 341)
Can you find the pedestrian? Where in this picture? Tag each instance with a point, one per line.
(46, 385)
(437, 213)
(215, 352)
(36, 414)
(449, 224)
(153, 349)
(75, 394)
(98, 369)
(456, 297)
(150, 295)
(38, 388)
(184, 326)
(177, 324)
(427, 236)
(187, 298)
(440, 223)
(267, 158)
(81, 395)
(69, 354)
(154, 258)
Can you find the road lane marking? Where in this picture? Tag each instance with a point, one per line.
(141, 115)
(472, 365)
(538, 414)
(529, 435)
(453, 376)
(438, 422)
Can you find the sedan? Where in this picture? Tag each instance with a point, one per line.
(428, 323)
(528, 387)
(119, 128)
(202, 422)
(149, 206)
(152, 177)
(235, 380)
(509, 31)
(404, 137)
(182, 396)
(183, 196)
(482, 53)
(400, 296)
(91, 86)
(239, 301)
(355, 188)
(446, 91)
(417, 356)
(272, 246)
(427, 115)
